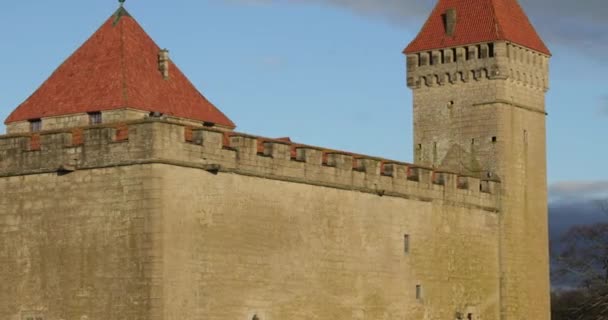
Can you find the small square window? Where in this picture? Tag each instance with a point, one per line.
(94, 117)
(35, 126)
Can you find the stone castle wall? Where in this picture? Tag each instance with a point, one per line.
(156, 220)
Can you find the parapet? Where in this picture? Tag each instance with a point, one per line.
(161, 141)
(484, 61)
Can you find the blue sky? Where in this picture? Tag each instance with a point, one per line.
(324, 72)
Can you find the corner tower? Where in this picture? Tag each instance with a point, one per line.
(479, 73)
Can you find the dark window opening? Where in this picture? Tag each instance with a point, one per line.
(491, 50)
(208, 124)
(470, 316)
(494, 139)
(418, 292)
(479, 52)
(406, 243)
(94, 117)
(35, 126)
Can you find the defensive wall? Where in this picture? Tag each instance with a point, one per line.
(156, 220)
(159, 141)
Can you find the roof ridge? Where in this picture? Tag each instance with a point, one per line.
(124, 88)
(498, 29)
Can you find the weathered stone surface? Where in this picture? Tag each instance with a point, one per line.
(488, 119)
(151, 226)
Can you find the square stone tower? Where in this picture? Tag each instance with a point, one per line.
(479, 74)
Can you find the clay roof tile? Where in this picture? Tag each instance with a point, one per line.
(477, 21)
(118, 67)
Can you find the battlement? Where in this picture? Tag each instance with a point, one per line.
(485, 61)
(161, 141)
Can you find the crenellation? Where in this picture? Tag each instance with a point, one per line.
(472, 53)
(276, 149)
(436, 57)
(154, 140)
(424, 59)
(486, 61)
(448, 56)
(339, 160)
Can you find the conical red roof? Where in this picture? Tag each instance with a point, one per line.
(118, 68)
(478, 21)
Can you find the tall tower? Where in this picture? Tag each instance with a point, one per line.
(479, 74)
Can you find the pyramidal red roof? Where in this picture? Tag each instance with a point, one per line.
(478, 21)
(118, 68)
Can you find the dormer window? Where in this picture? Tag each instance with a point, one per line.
(94, 117)
(35, 125)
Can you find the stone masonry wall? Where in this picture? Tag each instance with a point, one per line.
(156, 220)
(238, 246)
(80, 245)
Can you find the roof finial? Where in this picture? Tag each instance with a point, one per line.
(122, 2)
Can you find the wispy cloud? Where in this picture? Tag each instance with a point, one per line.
(578, 191)
(579, 24)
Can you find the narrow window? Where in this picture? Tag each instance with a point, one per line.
(470, 316)
(94, 117)
(418, 292)
(406, 243)
(434, 153)
(35, 126)
(491, 50)
(494, 139)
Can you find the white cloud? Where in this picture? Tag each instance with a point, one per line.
(577, 191)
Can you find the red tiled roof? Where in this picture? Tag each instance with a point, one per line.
(116, 68)
(478, 21)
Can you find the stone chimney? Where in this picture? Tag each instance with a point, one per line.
(163, 63)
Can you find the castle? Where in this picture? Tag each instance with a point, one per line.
(127, 195)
